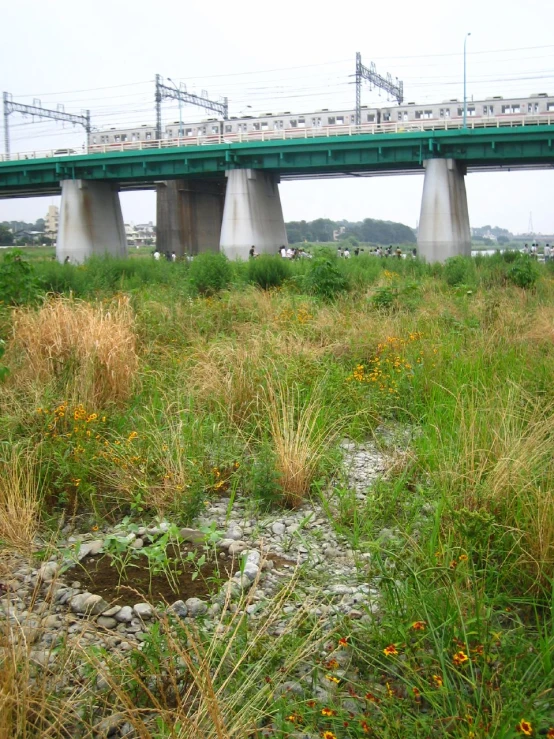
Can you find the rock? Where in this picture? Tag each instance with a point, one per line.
(225, 543)
(234, 532)
(90, 548)
(193, 536)
(243, 581)
(290, 686)
(40, 657)
(143, 610)
(250, 570)
(179, 608)
(111, 612)
(109, 725)
(48, 571)
(252, 556)
(106, 622)
(124, 615)
(88, 604)
(51, 622)
(137, 544)
(237, 547)
(196, 607)
(278, 528)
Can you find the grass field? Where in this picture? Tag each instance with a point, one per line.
(126, 384)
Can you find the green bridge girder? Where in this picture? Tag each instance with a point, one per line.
(300, 157)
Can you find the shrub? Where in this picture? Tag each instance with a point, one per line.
(458, 270)
(324, 279)
(524, 272)
(209, 273)
(18, 284)
(268, 271)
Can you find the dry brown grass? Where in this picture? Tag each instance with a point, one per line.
(89, 347)
(20, 499)
(301, 435)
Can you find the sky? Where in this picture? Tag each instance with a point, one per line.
(274, 57)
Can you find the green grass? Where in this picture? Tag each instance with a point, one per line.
(245, 377)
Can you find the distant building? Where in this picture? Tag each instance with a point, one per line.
(51, 222)
(337, 232)
(141, 234)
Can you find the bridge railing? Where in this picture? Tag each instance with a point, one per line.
(376, 129)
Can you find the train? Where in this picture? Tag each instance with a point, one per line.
(533, 109)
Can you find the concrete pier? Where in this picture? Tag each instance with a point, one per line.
(91, 222)
(444, 221)
(252, 215)
(189, 214)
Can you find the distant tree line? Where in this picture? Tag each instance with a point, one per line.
(369, 230)
(10, 230)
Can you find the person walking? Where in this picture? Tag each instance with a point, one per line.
(252, 252)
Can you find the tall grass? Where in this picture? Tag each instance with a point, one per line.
(301, 434)
(20, 498)
(89, 348)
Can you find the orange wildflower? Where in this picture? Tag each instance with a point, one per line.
(328, 735)
(419, 625)
(327, 712)
(460, 658)
(524, 727)
(390, 651)
(365, 727)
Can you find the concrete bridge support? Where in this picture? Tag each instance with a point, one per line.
(252, 215)
(189, 214)
(444, 222)
(91, 222)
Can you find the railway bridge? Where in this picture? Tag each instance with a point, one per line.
(222, 192)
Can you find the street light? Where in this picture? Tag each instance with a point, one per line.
(465, 96)
(180, 116)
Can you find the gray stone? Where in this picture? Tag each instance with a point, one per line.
(252, 556)
(193, 536)
(243, 581)
(137, 544)
(143, 610)
(237, 547)
(196, 607)
(225, 543)
(234, 532)
(86, 603)
(179, 608)
(111, 612)
(250, 570)
(48, 571)
(124, 615)
(51, 622)
(278, 528)
(90, 548)
(106, 622)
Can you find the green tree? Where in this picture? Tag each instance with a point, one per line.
(6, 236)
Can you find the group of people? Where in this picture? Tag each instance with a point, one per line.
(170, 256)
(377, 252)
(533, 251)
(295, 253)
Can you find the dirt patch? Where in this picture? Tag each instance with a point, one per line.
(101, 576)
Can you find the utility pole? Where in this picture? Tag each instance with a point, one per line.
(182, 96)
(37, 110)
(396, 89)
(465, 96)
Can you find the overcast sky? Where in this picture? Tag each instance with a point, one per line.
(280, 56)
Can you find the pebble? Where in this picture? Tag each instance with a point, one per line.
(196, 607)
(144, 610)
(124, 615)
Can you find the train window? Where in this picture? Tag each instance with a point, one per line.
(371, 117)
(148, 135)
(94, 139)
(301, 123)
(331, 120)
(340, 120)
(488, 109)
(471, 111)
(445, 112)
(550, 107)
(116, 138)
(399, 115)
(293, 123)
(124, 137)
(215, 129)
(533, 108)
(134, 137)
(228, 128)
(386, 116)
(265, 126)
(256, 126)
(428, 114)
(418, 114)
(277, 125)
(516, 108)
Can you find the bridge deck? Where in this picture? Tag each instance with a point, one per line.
(358, 153)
